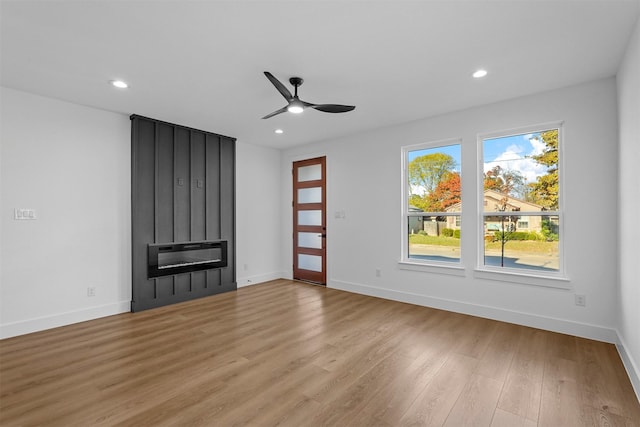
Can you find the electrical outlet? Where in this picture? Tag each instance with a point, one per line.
(378, 272)
(581, 300)
(91, 291)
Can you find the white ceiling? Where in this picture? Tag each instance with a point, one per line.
(201, 63)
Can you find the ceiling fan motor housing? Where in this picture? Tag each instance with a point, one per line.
(296, 81)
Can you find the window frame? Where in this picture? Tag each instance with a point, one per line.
(522, 275)
(405, 262)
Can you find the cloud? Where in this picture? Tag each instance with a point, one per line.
(514, 157)
(513, 148)
(538, 146)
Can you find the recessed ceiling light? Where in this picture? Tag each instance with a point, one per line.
(119, 84)
(279, 131)
(479, 74)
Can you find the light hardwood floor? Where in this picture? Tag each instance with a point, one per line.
(287, 353)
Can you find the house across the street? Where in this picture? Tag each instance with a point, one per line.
(495, 201)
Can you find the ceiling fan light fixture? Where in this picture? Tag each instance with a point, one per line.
(295, 107)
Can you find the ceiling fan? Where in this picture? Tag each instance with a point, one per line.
(295, 105)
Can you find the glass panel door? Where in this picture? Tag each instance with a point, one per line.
(309, 220)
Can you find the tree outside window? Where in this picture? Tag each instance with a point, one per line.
(433, 203)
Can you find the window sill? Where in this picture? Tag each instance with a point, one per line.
(558, 282)
(454, 270)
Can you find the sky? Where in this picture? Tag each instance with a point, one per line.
(509, 152)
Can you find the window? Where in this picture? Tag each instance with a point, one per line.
(520, 191)
(432, 203)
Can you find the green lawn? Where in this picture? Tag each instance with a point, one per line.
(529, 246)
(422, 239)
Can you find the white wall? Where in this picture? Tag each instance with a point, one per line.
(72, 164)
(258, 235)
(364, 180)
(629, 207)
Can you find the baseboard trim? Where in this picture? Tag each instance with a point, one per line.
(629, 364)
(583, 330)
(28, 326)
(259, 278)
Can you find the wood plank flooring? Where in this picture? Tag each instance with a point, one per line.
(288, 353)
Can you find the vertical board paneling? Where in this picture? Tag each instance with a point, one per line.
(213, 278)
(199, 282)
(212, 197)
(155, 183)
(165, 190)
(227, 204)
(164, 287)
(213, 188)
(142, 206)
(182, 190)
(198, 214)
(183, 199)
(183, 284)
(198, 166)
(164, 199)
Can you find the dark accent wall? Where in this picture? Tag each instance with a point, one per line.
(183, 190)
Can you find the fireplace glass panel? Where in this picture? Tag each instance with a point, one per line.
(188, 257)
(177, 258)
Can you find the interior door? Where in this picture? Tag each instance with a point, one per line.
(309, 220)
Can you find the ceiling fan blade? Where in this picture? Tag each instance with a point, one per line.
(332, 108)
(281, 88)
(282, 110)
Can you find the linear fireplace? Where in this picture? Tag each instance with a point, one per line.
(176, 258)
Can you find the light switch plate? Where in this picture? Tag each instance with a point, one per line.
(24, 213)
